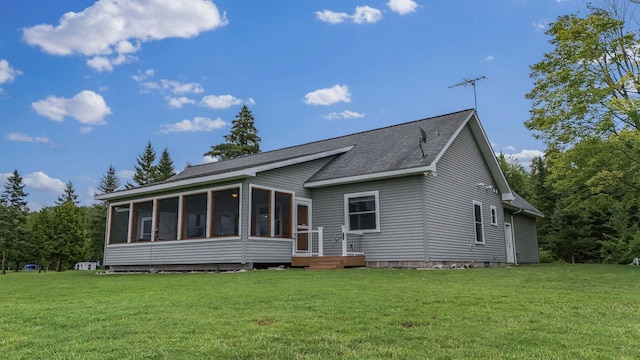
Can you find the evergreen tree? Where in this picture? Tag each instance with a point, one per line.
(242, 140)
(109, 182)
(69, 195)
(41, 235)
(165, 169)
(69, 235)
(145, 170)
(13, 219)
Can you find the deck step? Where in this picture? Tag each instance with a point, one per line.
(325, 265)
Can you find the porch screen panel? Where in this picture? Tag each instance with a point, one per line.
(119, 229)
(226, 213)
(362, 213)
(142, 221)
(194, 220)
(283, 215)
(167, 219)
(260, 212)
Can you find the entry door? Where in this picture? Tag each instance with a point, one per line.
(303, 224)
(511, 247)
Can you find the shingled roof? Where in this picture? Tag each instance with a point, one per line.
(384, 152)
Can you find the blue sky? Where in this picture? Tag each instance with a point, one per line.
(85, 84)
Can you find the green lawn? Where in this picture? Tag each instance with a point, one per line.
(528, 312)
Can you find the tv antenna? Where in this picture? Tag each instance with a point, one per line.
(424, 140)
(472, 82)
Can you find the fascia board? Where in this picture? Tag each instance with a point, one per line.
(249, 172)
(370, 177)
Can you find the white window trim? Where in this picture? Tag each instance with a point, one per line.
(376, 195)
(481, 222)
(494, 215)
(272, 209)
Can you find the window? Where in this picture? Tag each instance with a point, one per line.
(494, 216)
(271, 213)
(225, 216)
(479, 228)
(119, 229)
(194, 220)
(167, 219)
(362, 212)
(142, 221)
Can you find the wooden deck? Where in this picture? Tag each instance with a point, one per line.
(327, 262)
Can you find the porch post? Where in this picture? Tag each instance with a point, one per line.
(293, 243)
(320, 241)
(344, 240)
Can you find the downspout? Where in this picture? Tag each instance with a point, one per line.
(513, 234)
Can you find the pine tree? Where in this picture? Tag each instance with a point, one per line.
(13, 217)
(145, 170)
(242, 140)
(165, 169)
(69, 195)
(109, 182)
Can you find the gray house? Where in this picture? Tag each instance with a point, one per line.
(417, 194)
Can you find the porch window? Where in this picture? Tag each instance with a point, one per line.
(225, 217)
(271, 213)
(479, 227)
(167, 218)
(142, 221)
(119, 229)
(362, 211)
(194, 220)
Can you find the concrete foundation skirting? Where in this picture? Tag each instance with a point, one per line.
(180, 267)
(433, 264)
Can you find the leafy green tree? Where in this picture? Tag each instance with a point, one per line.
(69, 236)
(42, 237)
(13, 219)
(164, 169)
(109, 182)
(95, 225)
(588, 85)
(516, 175)
(146, 171)
(242, 140)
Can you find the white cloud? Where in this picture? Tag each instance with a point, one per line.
(541, 24)
(208, 159)
(402, 7)
(198, 124)
(366, 15)
(87, 107)
(490, 58)
(328, 96)
(524, 157)
(126, 174)
(347, 114)
(142, 76)
(26, 138)
(7, 73)
(220, 101)
(361, 15)
(332, 17)
(178, 102)
(117, 27)
(41, 181)
(174, 87)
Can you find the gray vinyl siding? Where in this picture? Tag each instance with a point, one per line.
(269, 251)
(175, 252)
(526, 239)
(401, 236)
(449, 208)
(290, 178)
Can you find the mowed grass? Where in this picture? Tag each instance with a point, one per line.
(527, 312)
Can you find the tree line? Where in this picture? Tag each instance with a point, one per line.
(59, 236)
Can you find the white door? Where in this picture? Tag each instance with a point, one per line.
(511, 246)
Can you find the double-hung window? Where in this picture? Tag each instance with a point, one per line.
(477, 220)
(362, 211)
